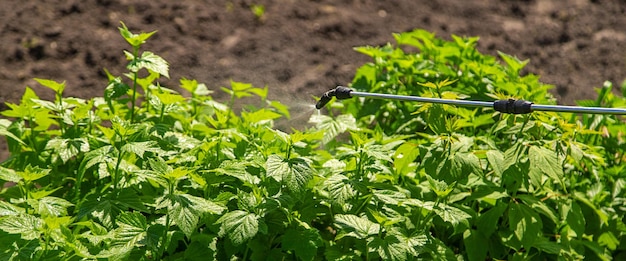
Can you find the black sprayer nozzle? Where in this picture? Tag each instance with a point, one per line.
(340, 92)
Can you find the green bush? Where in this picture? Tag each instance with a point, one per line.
(147, 173)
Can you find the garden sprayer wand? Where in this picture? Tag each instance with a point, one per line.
(510, 106)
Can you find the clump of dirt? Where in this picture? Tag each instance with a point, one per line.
(299, 48)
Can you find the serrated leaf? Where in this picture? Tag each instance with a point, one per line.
(98, 156)
(52, 206)
(239, 225)
(140, 148)
(115, 89)
(33, 173)
(451, 214)
(339, 188)
(389, 247)
(389, 197)
(237, 170)
(101, 208)
(8, 209)
(513, 62)
(355, 226)
(132, 228)
(333, 127)
(20, 249)
(4, 126)
(295, 173)
(496, 160)
(185, 210)
(543, 160)
(11, 175)
(65, 149)
(129, 198)
(28, 226)
(149, 61)
(167, 99)
(55, 223)
(194, 87)
(134, 40)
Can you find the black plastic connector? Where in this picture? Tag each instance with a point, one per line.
(512, 106)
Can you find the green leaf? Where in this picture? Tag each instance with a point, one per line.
(451, 214)
(33, 173)
(19, 249)
(194, 87)
(405, 156)
(261, 115)
(550, 247)
(441, 188)
(609, 240)
(583, 198)
(474, 241)
(513, 62)
(525, 223)
(51, 206)
(496, 160)
(333, 127)
(239, 225)
(389, 247)
(8, 209)
(115, 89)
(55, 86)
(238, 170)
(488, 221)
(340, 188)
(131, 199)
(163, 98)
(11, 175)
(104, 209)
(149, 61)
(202, 247)
(295, 173)
(4, 131)
(540, 206)
(29, 226)
(355, 226)
(185, 210)
(240, 90)
(574, 217)
(101, 155)
(134, 40)
(65, 149)
(281, 108)
(140, 148)
(132, 228)
(303, 241)
(543, 160)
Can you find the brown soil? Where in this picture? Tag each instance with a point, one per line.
(300, 48)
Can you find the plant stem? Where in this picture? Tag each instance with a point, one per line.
(132, 101)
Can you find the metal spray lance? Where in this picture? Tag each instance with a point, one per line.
(510, 106)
